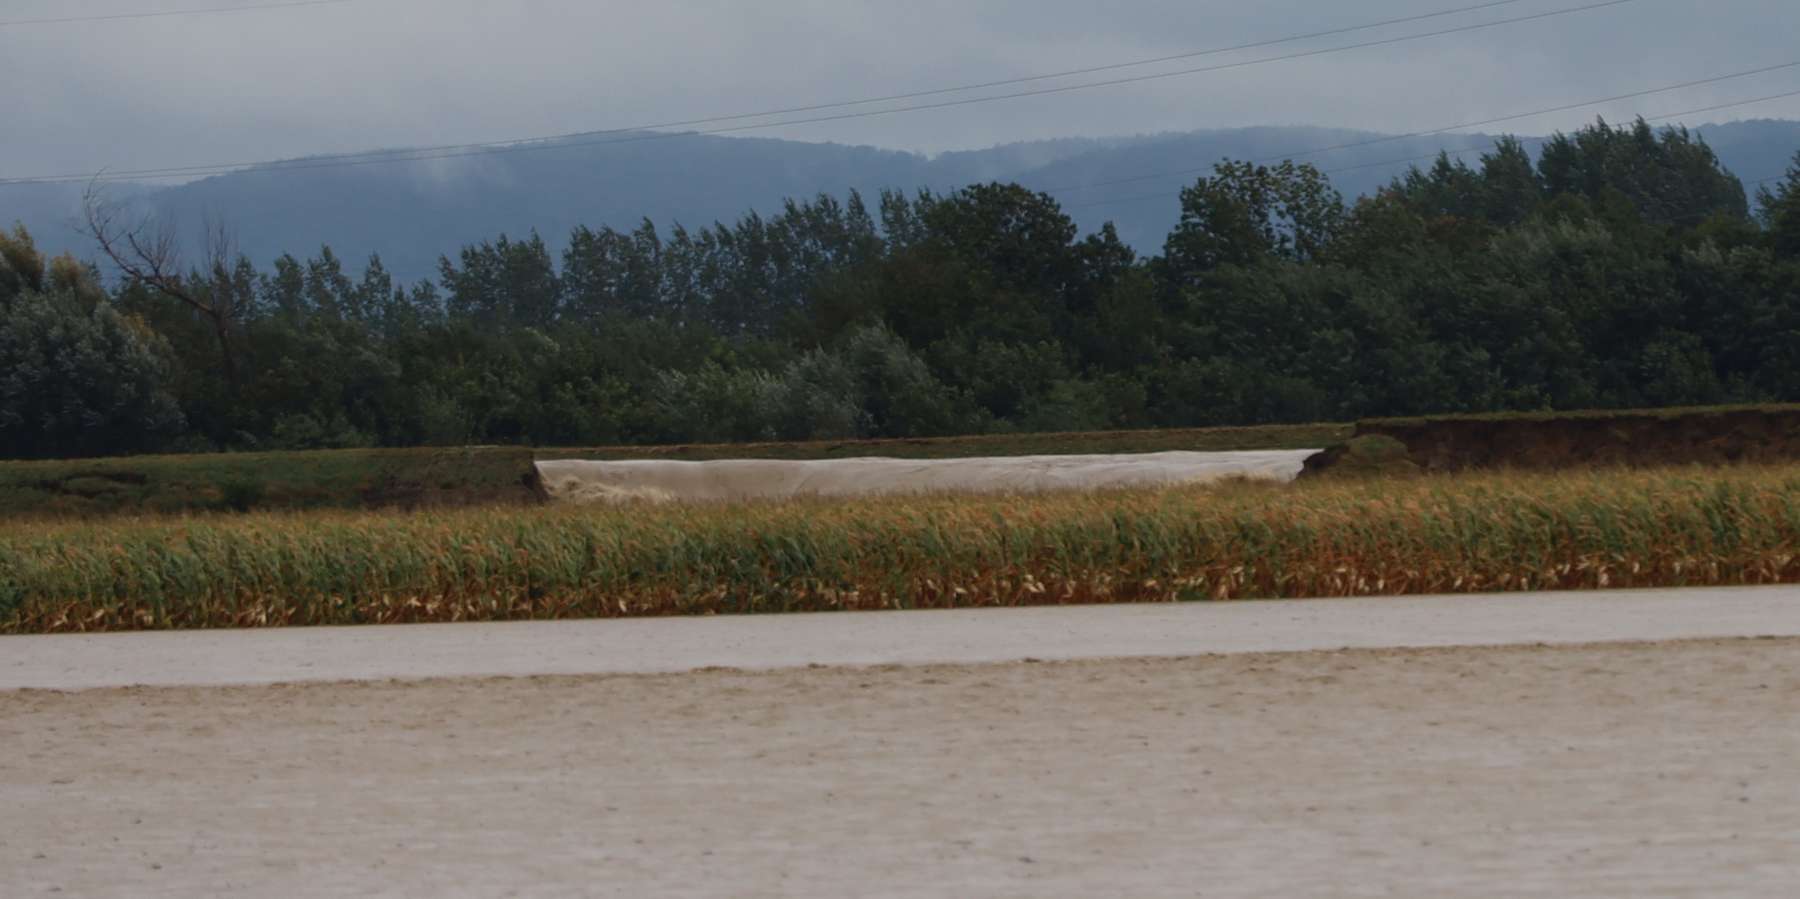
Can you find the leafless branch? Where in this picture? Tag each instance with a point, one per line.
(149, 253)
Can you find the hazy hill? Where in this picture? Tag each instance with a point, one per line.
(412, 213)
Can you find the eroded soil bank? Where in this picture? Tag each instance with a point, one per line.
(1639, 438)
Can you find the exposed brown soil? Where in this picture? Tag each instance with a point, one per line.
(1719, 436)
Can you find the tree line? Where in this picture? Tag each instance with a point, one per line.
(1619, 267)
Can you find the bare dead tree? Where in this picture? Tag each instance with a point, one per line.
(149, 253)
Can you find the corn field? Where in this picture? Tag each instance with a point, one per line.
(1464, 533)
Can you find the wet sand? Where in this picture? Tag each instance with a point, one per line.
(1617, 770)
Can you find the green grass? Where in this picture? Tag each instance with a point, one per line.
(1465, 533)
(247, 481)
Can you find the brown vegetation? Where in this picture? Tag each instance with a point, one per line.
(1476, 532)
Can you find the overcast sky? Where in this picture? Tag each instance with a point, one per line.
(383, 73)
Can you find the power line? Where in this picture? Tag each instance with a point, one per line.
(1538, 140)
(843, 104)
(1746, 184)
(1165, 195)
(1485, 146)
(1069, 73)
(572, 140)
(1138, 198)
(204, 11)
(1387, 139)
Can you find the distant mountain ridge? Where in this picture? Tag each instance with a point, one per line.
(411, 214)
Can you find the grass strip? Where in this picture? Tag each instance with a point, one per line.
(318, 479)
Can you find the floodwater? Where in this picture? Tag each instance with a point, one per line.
(1639, 743)
(747, 479)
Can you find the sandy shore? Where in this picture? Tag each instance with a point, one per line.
(1640, 770)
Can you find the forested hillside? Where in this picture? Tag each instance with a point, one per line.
(1618, 267)
(412, 214)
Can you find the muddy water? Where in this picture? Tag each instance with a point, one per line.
(1638, 770)
(749, 479)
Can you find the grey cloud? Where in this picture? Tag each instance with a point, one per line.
(407, 72)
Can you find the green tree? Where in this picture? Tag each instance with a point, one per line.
(504, 282)
(76, 377)
(1669, 177)
(1510, 191)
(1781, 212)
(1247, 213)
(608, 273)
(21, 268)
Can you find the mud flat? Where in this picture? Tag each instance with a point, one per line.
(1621, 770)
(577, 481)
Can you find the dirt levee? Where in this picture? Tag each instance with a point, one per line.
(750, 479)
(1706, 436)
